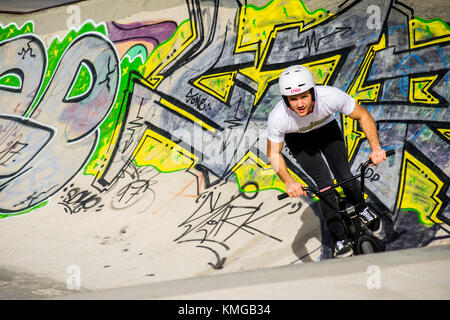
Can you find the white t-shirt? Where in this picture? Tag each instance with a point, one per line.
(329, 100)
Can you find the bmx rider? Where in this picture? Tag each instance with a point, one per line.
(304, 119)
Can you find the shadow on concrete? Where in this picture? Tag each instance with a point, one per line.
(312, 227)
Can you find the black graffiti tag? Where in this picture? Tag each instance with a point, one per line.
(77, 200)
(196, 100)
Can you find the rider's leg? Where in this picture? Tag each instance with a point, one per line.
(312, 162)
(316, 168)
(333, 148)
(336, 154)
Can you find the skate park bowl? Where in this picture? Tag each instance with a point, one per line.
(149, 177)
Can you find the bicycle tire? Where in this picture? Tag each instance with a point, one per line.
(367, 247)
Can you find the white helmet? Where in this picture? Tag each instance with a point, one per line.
(295, 79)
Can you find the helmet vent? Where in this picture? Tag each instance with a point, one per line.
(294, 80)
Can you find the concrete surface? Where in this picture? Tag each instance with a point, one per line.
(21, 285)
(418, 273)
(151, 248)
(29, 6)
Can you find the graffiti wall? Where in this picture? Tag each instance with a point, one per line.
(96, 119)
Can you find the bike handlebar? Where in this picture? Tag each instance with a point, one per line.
(363, 169)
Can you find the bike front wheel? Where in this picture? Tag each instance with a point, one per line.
(367, 247)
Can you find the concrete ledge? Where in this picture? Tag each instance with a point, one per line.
(52, 20)
(419, 273)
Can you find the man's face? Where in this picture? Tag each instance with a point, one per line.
(301, 103)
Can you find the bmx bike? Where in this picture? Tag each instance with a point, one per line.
(361, 239)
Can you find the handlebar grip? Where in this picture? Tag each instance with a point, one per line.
(390, 152)
(282, 196)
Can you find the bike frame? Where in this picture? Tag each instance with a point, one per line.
(319, 193)
(361, 239)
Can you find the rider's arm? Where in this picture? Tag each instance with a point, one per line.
(369, 128)
(293, 188)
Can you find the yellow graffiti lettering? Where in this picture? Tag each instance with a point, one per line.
(418, 90)
(168, 51)
(361, 93)
(427, 32)
(252, 169)
(252, 38)
(418, 190)
(218, 85)
(162, 154)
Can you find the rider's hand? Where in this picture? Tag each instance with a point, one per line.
(377, 156)
(295, 189)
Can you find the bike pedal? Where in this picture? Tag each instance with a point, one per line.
(351, 212)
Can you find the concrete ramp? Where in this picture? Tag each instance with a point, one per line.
(133, 136)
(419, 273)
